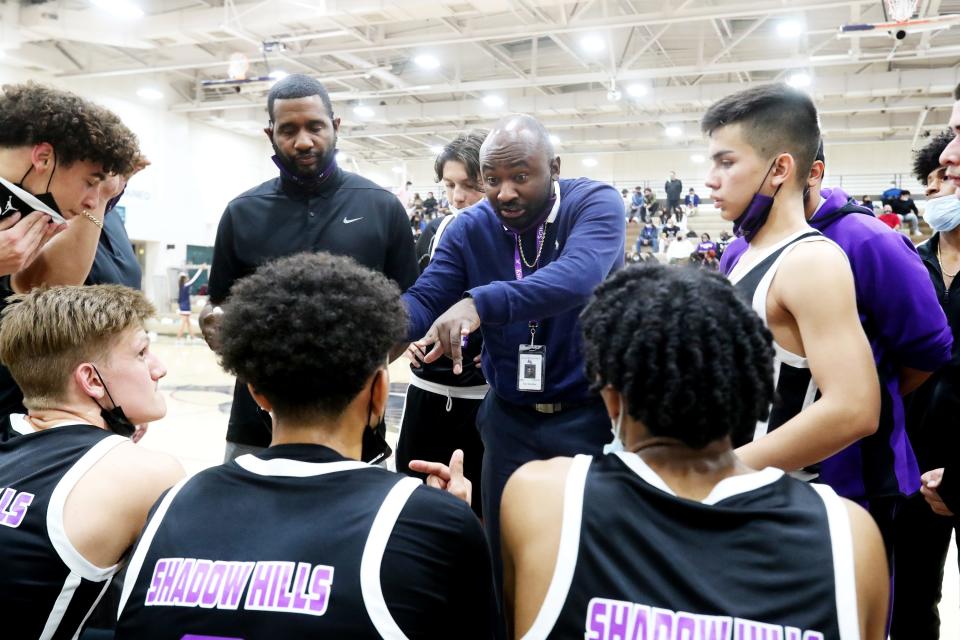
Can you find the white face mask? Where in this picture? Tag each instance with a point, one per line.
(616, 444)
(943, 214)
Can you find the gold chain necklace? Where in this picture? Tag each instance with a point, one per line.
(541, 235)
(940, 262)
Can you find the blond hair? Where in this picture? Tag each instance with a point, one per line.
(47, 333)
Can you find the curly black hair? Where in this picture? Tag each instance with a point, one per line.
(308, 330)
(77, 129)
(692, 360)
(927, 159)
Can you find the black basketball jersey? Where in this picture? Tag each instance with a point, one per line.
(795, 387)
(47, 589)
(763, 557)
(291, 543)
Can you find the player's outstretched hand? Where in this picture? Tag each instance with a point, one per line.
(448, 478)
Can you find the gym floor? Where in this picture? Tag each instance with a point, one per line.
(198, 395)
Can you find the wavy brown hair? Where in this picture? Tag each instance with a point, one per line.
(77, 129)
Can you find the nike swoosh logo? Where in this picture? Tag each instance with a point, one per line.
(348, 220)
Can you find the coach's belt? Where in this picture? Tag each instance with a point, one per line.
(551, 407)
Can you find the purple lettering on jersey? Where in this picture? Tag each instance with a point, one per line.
(812, 635)
(321, 583)
(663, 623)
(183, 577)
(619, 621)
(159, 569)
(6, 498)
(211, 592)
(200, 572)
(237, 575)
(753, 630)
(258, 595)
(282, 597)
(597, 619)
(715, 627)
(686, 627)
(16, 513)
(300, 601)
(169, 578)
(792, 633)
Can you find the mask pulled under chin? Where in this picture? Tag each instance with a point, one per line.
(118, 422)
(375, 448)
(753, 217)
(307, 182)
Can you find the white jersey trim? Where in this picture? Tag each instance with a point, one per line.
(726, 488)
(844, 571)
(143, 545)
(567, 551)
(372, 558)
(58, 500)
(60, 606)
(83, 623)
(284, 467)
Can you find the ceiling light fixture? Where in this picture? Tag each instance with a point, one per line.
(120, 8)
(698, 158)
(363, 111)
(589, 162)
(799, 80)
(397, 169)
(493, 101)
(426, 61)
(279, 74)
(789, 29)
(149, 93)
(673, 131)
(638, 90)
(436, 149)
(593, 44)
(555, 140)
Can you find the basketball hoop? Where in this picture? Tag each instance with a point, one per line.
(900, 10)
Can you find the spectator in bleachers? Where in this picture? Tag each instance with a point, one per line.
(889, 218)
(706, 244)
(891, 194)
(673, 188)
(429, 206)
(648, 237)
(692, 202)
(906, 208)
(637, 208)
(650, 204)
(867, 202)
(723, 243)
(625, 195)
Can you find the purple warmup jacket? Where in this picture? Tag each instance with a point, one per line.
(906, 327)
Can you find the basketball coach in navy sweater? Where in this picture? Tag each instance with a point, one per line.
(519, 266)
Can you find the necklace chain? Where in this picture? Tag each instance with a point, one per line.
(541, 234)
(940, 262)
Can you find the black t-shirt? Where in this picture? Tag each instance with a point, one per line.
(347, 215)
(314, 545)
(115, 262)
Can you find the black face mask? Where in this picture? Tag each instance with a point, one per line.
(374, 448)
(46, 197)
(117, 421)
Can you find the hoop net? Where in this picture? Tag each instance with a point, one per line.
(900, 10)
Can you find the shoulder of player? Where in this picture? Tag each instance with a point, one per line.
(813, 258)
(143, 471)
(535, 485)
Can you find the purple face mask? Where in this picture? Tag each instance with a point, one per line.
(756, 213)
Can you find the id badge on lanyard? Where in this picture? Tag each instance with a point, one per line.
(531, 358)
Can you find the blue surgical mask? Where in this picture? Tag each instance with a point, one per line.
(756, 213)
(943, 214)
(616, 444)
